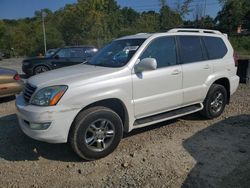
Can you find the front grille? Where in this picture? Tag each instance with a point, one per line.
(28, 92)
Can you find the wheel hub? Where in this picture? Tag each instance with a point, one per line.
(217, 102)
(99, 135)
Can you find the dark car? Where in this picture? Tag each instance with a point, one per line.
(62, 57)
(51, 52)
(10, 83)
(1, 56)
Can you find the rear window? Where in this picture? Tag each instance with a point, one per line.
(216, 47)
(190, 49)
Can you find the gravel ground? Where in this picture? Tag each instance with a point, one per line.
(186, 152)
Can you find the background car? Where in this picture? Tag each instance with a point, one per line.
(10, 83)
(51, 52)
(63, 57)
(1, 56)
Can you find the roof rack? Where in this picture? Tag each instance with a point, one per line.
(194, 30)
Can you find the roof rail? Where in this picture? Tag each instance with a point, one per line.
(194, 30)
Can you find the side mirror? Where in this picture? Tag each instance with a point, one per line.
(146, 64)
(56, 56)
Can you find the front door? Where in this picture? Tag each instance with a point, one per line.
(158, 90)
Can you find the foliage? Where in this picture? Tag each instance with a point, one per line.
(169, 18)
(241, 44)
(206, 23)
(234, 13)
(94, 22)
(97, 22)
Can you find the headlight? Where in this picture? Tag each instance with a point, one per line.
(48, 96)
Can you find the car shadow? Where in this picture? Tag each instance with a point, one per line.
(16, 146)
(222, 154)
(149, 128)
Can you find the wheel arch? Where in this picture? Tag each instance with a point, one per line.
(225, 83)
(45, 65)
(114, 104)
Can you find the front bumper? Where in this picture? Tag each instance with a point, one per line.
(60, 118)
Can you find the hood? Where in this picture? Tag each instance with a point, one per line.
(4, 71)
(72, 75)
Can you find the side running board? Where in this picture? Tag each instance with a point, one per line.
(168, 115)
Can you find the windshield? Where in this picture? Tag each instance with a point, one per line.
(51, 52)
(116, 54)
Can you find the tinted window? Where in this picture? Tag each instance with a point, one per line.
(215, 46)
(163, 50)
(190, 49)
(77, 52)
(71, 52)
(64, 52)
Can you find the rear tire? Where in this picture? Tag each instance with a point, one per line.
(215, 101)
(40, 69)
(96, 132)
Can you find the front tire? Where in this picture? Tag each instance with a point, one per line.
(95, 133)
(215, 101)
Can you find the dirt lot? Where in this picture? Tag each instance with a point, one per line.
(186, 152)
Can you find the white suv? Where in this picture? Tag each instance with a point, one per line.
(134, 81)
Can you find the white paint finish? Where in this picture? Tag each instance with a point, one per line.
(157, 90)
(60, 117)
(194, 77)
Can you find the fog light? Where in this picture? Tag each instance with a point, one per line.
(39, 126)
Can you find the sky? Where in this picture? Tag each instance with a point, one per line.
(15, 9)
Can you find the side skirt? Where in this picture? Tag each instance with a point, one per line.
(167, 115)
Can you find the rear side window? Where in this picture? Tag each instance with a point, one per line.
(216, 47)
(77, 52)
(190, 49)
(163, 49)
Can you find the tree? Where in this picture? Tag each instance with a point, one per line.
(183, 8)
(95, 22)
(148, 22)
(233, 14)
(169, 18)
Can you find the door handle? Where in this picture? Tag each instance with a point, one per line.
(206, 66)
(176, 72)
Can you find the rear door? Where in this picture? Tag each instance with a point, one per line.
(77, 55)
(196, 68)
(61, 58)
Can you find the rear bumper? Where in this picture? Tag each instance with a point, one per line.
(10, 89)
(234, 84)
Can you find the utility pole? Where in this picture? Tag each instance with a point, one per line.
(44, 32)
(205, 7)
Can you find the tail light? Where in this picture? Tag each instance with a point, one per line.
(17, 77)
(236, 58)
